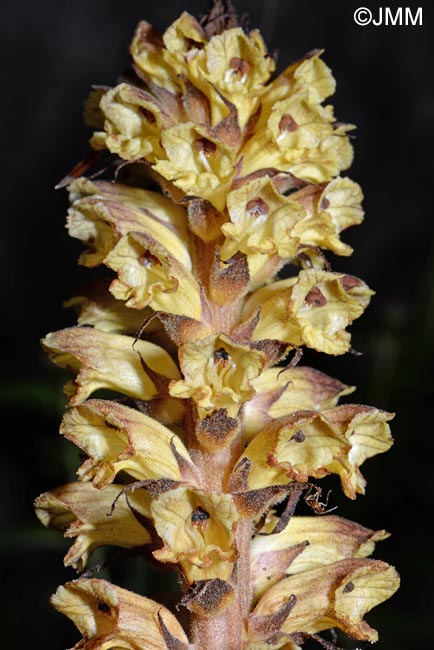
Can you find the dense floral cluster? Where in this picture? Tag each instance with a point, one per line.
(209, 430)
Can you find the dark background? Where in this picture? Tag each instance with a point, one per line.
(53, 50)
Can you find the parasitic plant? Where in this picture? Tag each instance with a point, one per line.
(210, 433)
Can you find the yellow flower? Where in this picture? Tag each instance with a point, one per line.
(237, 65)
(117, 438)
(311, 443)
(282, 392)
(262, 224)
(313, 309)
(300, 138)
(197, 530)
(197, 162)
(308, 543)
(330, 210)
(101, 213)
(82, 512)
(103, 360)
(334, 595)
(133, 123)
(109, 617)
(150, 274)
(218, 374)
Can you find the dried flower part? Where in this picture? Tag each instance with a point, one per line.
(281, 392)
(85, 514)
(313, 309)
(218, 374)
(110, 618)
(335, 595)
(307, 543)
(117, 438)
(197, 529)
(309, 444)
(101, 213)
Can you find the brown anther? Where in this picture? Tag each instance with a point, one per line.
(348, 587)
(149, 260)
(349, 282)
(325, 203)
(205, 145)
(103, 607)
(199, 516)
(221, 355)
(239, 65)
(257, 207)
(315, 297)
(298, 436)
(287, 123)
(150, 117)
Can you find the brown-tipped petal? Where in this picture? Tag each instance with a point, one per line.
(197, 530)
(314, 310)
(367, 432)
(149, 274)
(101, 213)
(281, 392)
(110, 618)
(103, 360)
(295, 448)
(117, 438)
(308, 543)
(262, 221)
(83, 513)
(336, 595)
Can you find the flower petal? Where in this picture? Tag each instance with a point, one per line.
(117, 438)
(197, 530)
(111, 618)
(328, 539)
(218, 374)
(103, 360)
(82, 512)
(336, 595)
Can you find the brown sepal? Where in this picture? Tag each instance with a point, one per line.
(172, 642)
(204, 220)
(244, 332)
(231, 282)
(182, 329)
(273, 349)
(209, 597)
(264, 628)
(217, 430)
(195, 102)
(254, 503)
(274, 563)
(164, 408)
(189, 472)
(284, 181)
(228, 130)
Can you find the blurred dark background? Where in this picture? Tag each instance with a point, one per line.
(53, 50)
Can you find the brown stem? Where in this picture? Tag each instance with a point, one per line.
(227, 630)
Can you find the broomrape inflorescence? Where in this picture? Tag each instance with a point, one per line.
(229, 174)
